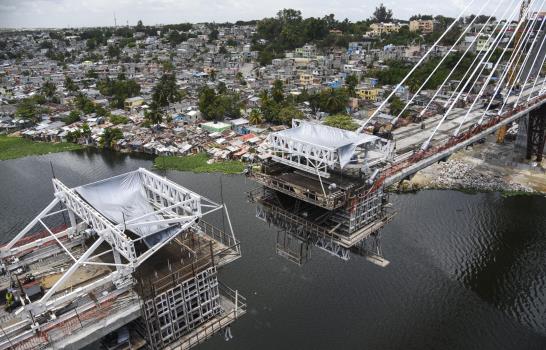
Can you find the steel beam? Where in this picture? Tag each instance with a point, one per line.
(104, 228)
(535, 133)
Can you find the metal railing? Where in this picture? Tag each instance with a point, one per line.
(289, 221)
(325, 200)
(219, 323)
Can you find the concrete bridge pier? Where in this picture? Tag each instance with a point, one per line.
(536, 129)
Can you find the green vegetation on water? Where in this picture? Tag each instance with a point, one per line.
(17, 147)
(198, 164)
(508, 194)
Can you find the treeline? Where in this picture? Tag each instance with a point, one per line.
(276, 107)
(397, 70)
(215, 104)
(289, 30)
(118, 89)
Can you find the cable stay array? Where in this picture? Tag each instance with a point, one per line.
(504, 72)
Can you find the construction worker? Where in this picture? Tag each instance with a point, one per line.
(9, 300)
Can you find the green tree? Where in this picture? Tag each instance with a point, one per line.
(49, 89)
(351, 81)
(119, 89)
(118, 119)
(91, 74)
(28, 109)
(166, 91)
(287, 113)
(114, 51)
(269, 108)
(396, 105)
(265, 57)
(215, 106)
(86, 130)
(221, 88)
(154, 115)
(91, 44)
(341, 121)
(84, 104)
(213, 35)
(206, 99)
(277, 92)
(255, 117)
(73, 136)
(167, 66)
(109, 137)
(333, 100)
(70, 85)
(72, 117)
(381, 14)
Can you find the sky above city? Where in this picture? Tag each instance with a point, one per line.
(85, 13)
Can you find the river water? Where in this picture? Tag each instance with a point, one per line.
(467, 271)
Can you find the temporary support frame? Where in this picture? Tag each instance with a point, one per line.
(315, 158)
(176, 205)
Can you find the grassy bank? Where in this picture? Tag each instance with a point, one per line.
(198, 164)
(17, 147)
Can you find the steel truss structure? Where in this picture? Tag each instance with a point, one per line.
(173, 205)
(316, 158)
(346, 231)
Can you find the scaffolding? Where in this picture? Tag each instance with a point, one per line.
(66, 278)
(318, 189)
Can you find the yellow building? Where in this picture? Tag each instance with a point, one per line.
(368, 93)
(377, 29)
(133, 102)
(306, 79)
(425, 26)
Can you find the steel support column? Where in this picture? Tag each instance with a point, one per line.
(536, 133)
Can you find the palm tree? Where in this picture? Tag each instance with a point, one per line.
(49, 89)
(255, 117)
(335, 101)
(154, 114)
(414, 85)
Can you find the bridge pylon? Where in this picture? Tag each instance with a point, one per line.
(536, 133)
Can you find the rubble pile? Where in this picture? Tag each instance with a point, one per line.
(457, 174)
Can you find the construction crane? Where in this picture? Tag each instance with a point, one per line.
(514, 68)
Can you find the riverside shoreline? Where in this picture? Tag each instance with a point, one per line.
(12, 147)
(486, 167)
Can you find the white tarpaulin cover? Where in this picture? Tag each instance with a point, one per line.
(344, 142)
(123, 198)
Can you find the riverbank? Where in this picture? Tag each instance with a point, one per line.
(198, 163)
(12, 147)
(486, 167)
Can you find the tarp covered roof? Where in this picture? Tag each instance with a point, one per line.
(123, 198)
(344, 142)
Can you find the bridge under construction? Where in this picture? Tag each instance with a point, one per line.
(132, 249)
(326, 188)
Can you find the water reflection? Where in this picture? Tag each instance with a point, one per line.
(466, 271)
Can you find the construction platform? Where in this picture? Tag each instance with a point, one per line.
(318, 189)
(124, 241)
